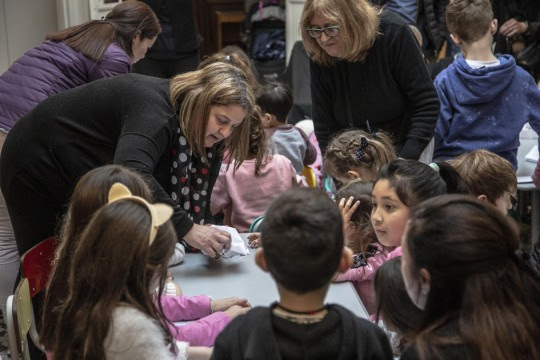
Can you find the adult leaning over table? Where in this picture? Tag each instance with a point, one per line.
(170, 130)
(366, 66)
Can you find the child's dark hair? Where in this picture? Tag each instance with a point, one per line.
(415, 182)
(468, 248)
(394, 306)
(364, 234)
(353, 149)
(257, 140)
(469, 19)
(302, 239)
(276, 99)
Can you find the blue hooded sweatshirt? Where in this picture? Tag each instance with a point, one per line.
(484, 108)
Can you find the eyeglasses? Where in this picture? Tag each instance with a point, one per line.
(329, 31)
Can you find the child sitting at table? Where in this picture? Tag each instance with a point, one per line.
(489, 177)
(302, 247)
(356, 154)
(89, 195)
(354, 201)
(401, 185)
(275, 100)
(396, 313)
(107, 311)
(244, 192)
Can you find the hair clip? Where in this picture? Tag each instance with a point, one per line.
(228, 58)
(360, 153)
(434, 166)
(372, 133)
(159, 213)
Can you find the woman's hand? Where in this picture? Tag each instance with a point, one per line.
(224, 304)
(347, 209)
(236, 310)
(513, 27)
(208, 239)
(254, 240)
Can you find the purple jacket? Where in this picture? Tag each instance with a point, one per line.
(50, 68)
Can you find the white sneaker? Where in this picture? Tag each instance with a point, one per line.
(178, 255)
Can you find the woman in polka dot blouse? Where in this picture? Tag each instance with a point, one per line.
(171, 131)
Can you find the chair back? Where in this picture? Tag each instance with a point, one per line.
(20, 320)
(36, 264)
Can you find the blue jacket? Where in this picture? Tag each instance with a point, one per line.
(484, 108)
(50, 68)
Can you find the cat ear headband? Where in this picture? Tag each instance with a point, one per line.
(159, 213)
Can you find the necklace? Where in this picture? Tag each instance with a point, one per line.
(310, 312)
(299, 317)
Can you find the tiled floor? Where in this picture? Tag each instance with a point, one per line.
(3, 339)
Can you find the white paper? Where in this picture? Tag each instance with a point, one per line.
(524, 179)
(238, 246)
(532, 155)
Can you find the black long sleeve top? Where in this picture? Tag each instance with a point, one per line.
(392, 89)
(126, 120)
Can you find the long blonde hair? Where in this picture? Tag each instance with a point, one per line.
(358, 27)
(194, 93)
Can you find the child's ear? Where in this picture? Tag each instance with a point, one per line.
(260, 260)
(266, 120)
(482, 197)
(455, 39)
(346, 260)
(493, 27)
(354, 174)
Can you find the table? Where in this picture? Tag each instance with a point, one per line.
(240, 276)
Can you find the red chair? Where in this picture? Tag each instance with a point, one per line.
(36, 266)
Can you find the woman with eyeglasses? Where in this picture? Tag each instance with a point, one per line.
(367, 72)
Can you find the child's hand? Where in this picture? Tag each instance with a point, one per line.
(224, 304)
(254, 240)
(236, 310)
(347, 209)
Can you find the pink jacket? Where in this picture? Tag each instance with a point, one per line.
(362, 277)
(242, 196)
(202, 332)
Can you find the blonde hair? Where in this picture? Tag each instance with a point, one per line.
(486, 173)
(194, 93)
(358, 23)
(341, 155)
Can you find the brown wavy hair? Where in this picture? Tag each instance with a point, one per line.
(113, 265)
(358, 23)
(468, 248)
(340, 156)
(90, 194)
(194, 93)
(121, 25)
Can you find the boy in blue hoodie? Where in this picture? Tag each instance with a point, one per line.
(485, 99)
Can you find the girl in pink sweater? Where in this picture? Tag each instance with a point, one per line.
(244, 192)
(401, 185)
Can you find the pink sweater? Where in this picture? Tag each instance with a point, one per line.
(242, 196)
(202, 332)
(362, 277)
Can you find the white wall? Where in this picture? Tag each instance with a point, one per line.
(292, 23)
(24, 24)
